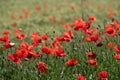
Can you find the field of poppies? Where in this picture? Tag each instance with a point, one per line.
(59, 40)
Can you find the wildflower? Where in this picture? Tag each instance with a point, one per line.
(42, 67)
(91, 55)
(111, 44)
(44, 37)
(5, 39)
(103, 75)
(72, 7)
(14, 58)
(60, 52)
(94, 38)
(92, 19)
(80, 77)
(14, 24)
(99, 44)
(47, 50)
(6, 32)
(38, 8)
(93, 63)
(117, 49)
(72, 62)
(21, 36)
(110, 31)
(117, 56)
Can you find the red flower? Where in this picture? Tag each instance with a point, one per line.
(9, 45)
(5, 39)
(72, 62)
(110, 31)
(36, 39)
(14, 24)
(79, 24)
(21, 36)
(93, 63)
(42, 67)
(91, 55)
(18, 31)
(56, 44)
(44, 37)
(21, 16)
(72, 7)
(27, 12)
(88, 39)
(60, 52)
(92, 19)
(6, 32)
(117, 49)
(36, 54)
(111, 44)
(117, 56)
(95, 38)
(14, 58)
(66, 26)
(68, 36)
(103, 75)
(80, 77)
(47, 50)
(38, 8)
(99, 44)
(23, 53)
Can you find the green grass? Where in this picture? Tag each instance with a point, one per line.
(38, 21)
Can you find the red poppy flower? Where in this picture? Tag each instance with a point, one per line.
(72, 62)
(44, 37)
(23, 53)
(99, 44)
(111, 15)
(91, 55)
(94, 38)
(88, 39)
(38, 8)
(110, 31)
(36, 54)
(92, 19)
(14, 58)
(14, 24)
(21, 36)
(103, 75)
(68, 36)
(47, 50)
(6, 32)
(56, 44)
(117, 49)
(117, 56)
(116, 25)
(26, 11)
(18, 31)
(60, 52)
(80, 77)
(66, 26)
(72, 7)
(5, 39)
(24, 45)
(111, 44)
(21, 16)
(42, 67)
(36, 39)
(93, 63)
(79, 24)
